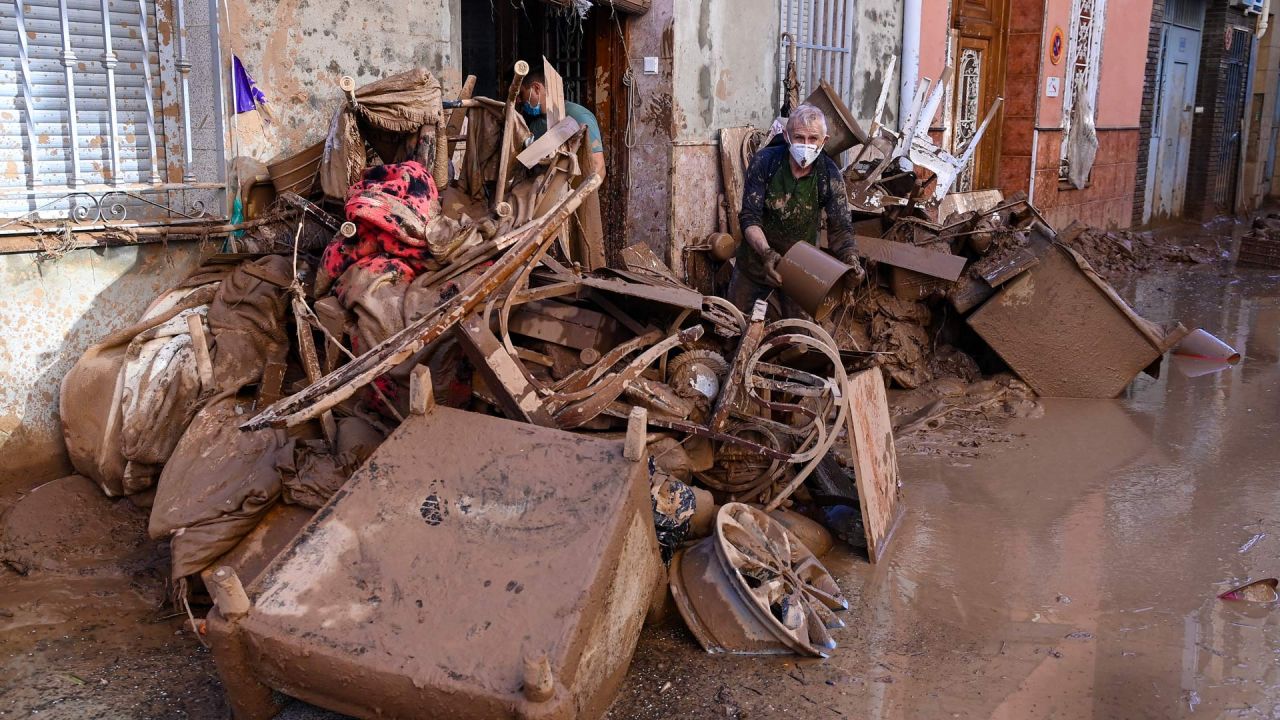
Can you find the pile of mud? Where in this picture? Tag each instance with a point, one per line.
(1117, 253)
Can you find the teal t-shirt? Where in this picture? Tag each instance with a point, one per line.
(538, 123)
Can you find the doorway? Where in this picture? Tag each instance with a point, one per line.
(979, 31)
(1178, 72)
(589, 53)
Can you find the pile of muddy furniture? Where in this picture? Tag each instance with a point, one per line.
(429, 455)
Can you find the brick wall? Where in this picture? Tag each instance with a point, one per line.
(1145, 119)
(1208, 127)
(1107, 201)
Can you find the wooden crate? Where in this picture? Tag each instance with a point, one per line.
(1256, 249)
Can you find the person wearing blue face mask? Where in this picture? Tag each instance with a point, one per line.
(532, 93)
(787, 190)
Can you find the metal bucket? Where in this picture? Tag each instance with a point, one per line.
(811, 278)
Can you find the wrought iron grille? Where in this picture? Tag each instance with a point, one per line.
(968, 106)
(1236, 64)
(564, 40)
(1083, 57)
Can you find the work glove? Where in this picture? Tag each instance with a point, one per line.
(771, 274)
(851, 259)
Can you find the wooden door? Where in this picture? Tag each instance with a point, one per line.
(980, 28)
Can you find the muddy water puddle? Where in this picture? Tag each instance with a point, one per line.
(1070, 572)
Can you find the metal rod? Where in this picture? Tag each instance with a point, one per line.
(27, 94)
(148, 93)
(109, 62)
(184, 70)
(847, 37)
(68, 63)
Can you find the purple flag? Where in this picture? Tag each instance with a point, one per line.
(248, 96)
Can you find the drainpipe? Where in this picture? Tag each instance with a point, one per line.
(1263, 19)
(909, 68)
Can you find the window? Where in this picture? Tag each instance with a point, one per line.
(93, 129)
(823, 32)
(1084, 54)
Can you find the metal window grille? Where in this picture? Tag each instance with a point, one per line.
(1084, 53)
(1236, 64)
(823, 31)
(81, 128)
(1187, 13)
(564, 43)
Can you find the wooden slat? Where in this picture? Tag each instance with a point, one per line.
(553, 103)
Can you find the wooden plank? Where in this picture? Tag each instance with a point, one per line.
(458, 115)
(588, 230)
(421, 395)
(678, 297)
(502, 374)
(930, 262)
(875, 459)
(969, 293)
(553, 103)
(562, 324)
(733, 171)
(999, 270)
(737, 377)
(980, 200)
(546, 146)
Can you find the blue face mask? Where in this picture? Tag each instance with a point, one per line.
(534, 110)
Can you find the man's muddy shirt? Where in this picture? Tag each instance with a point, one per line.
(789, 209)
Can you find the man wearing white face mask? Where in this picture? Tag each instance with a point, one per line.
(787, 190)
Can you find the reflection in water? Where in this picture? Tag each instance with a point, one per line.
(1197, 367)
(1073, 574)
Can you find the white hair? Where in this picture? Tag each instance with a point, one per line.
(806, 115)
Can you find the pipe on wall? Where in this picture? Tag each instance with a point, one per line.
(909, 68)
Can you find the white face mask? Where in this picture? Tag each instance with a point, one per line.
(804, 155)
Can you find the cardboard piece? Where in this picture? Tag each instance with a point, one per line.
(930, 262)
(875, 459)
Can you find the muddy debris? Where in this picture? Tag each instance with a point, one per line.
(413, 402)
(1118, 253)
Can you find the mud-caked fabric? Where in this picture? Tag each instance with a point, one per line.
(789, 209)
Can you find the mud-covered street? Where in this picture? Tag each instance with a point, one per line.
(1067, 568)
